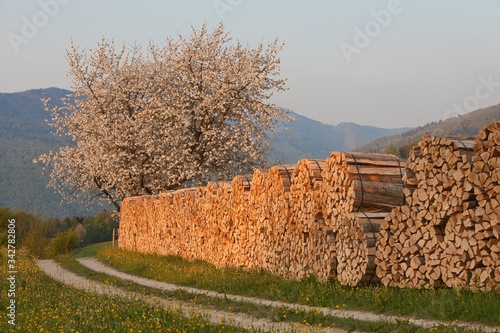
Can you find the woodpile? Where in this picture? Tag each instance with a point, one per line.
(238, 223)
(472, 252)
(389, 260)
(436, 175)
(399, 254)
(273, 220)
(277, 241)
(358, 182)
(357, 192)
(306, 221)
(257, 215)
(218, 223)
(175, 233)
(486, 171)
(447, 233)
(360, 218)
(475, 233)
(356, 241)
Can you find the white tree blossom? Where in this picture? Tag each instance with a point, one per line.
(176, 114)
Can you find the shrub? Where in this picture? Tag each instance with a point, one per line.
(62, 243)
(36, 240)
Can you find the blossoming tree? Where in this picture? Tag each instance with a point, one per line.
(177, 114)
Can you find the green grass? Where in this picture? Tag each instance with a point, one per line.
(44, 305)
(440, 304)
(279, 314)
(48, 306)
(90, 250)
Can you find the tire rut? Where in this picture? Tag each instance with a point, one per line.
(56, 272)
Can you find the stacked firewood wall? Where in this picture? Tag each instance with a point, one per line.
(448, 233)
(275, 219)
(359, 218)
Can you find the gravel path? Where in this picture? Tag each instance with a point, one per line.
(58, 273)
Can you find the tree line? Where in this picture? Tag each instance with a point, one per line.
(47, 237)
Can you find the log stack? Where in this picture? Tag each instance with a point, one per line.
(436, 174)
(435, 190)
(475, 234)
(276, 243)
(134, 212)
(359, 182)
(176, 213)
(273, 221)
(218, 223)
(162, 208)
(444, 234)
(358, 189)
(400, 257)
(306, 219)
(356, 241)
(390, 258)
(238, 203)
(486, 166)
(487, 148)
(257, 216)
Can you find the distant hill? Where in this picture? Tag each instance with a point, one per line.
(22, 114)
(467, 125)
(25, 134)
(308, 138)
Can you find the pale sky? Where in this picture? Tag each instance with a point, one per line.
(390, 63)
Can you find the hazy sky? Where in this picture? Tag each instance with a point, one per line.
(383, 63)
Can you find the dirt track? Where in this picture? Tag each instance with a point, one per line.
(58, 273)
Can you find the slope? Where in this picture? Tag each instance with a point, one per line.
(308, 138)
(462, 126)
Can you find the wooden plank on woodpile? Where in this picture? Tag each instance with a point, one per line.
(360, 182)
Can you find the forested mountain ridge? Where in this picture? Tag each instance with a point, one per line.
(25, 134)
(308, 138)
(23, 114)
(467, 125)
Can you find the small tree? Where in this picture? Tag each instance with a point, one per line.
(62, 243)
(144, 122)
(36, 240)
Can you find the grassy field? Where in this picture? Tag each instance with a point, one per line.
(43, 305)
(278, 314)
(441, 304)
(91, 250)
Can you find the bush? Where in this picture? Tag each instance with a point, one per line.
(36, 241)
(62, 243)
(3, 238)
